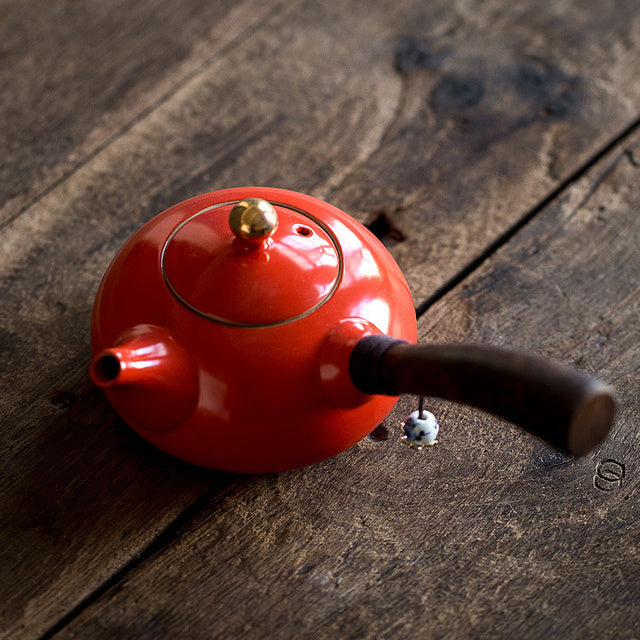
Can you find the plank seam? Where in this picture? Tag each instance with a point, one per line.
(162, 540)
(277, 10)
(517, 226)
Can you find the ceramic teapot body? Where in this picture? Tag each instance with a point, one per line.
(246, 370)
(258, 330)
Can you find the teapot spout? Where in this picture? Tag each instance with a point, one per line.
(149, 377)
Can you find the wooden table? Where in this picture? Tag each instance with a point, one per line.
(493, 146)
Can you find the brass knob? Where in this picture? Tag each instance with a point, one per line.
(253, 220)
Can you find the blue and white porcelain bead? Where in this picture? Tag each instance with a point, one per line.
(421, 431)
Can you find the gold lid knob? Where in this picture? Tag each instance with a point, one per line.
(253, 220)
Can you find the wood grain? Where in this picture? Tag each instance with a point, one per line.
(75, 76)
(498, 106)
(488, 535)
(449, 123)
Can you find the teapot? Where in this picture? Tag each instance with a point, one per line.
(258, 330)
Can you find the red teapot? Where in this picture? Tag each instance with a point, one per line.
(258, 330)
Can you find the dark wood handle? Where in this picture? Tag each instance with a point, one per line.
(567, 408)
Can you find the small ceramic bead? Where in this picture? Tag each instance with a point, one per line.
(421, 431)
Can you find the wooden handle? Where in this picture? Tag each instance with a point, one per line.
(565, 407)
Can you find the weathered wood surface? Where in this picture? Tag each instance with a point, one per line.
(76, 76)
(490, 534)
(455, 122)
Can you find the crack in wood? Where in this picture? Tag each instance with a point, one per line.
(505, 237)
(383, 228)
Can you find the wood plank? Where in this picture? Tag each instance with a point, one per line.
(492, 97)
(488, 535)
(73, 76)
(310, 101)
(96, 510)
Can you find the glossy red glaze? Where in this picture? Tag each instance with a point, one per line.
(284, 277)
(147, 363)
(254, 341)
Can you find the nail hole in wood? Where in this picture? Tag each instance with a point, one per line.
(379, 434)
(63, 399)
(383, 228)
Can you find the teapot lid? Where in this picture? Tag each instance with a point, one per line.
(252, 263)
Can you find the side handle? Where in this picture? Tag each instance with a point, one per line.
(567, 408)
